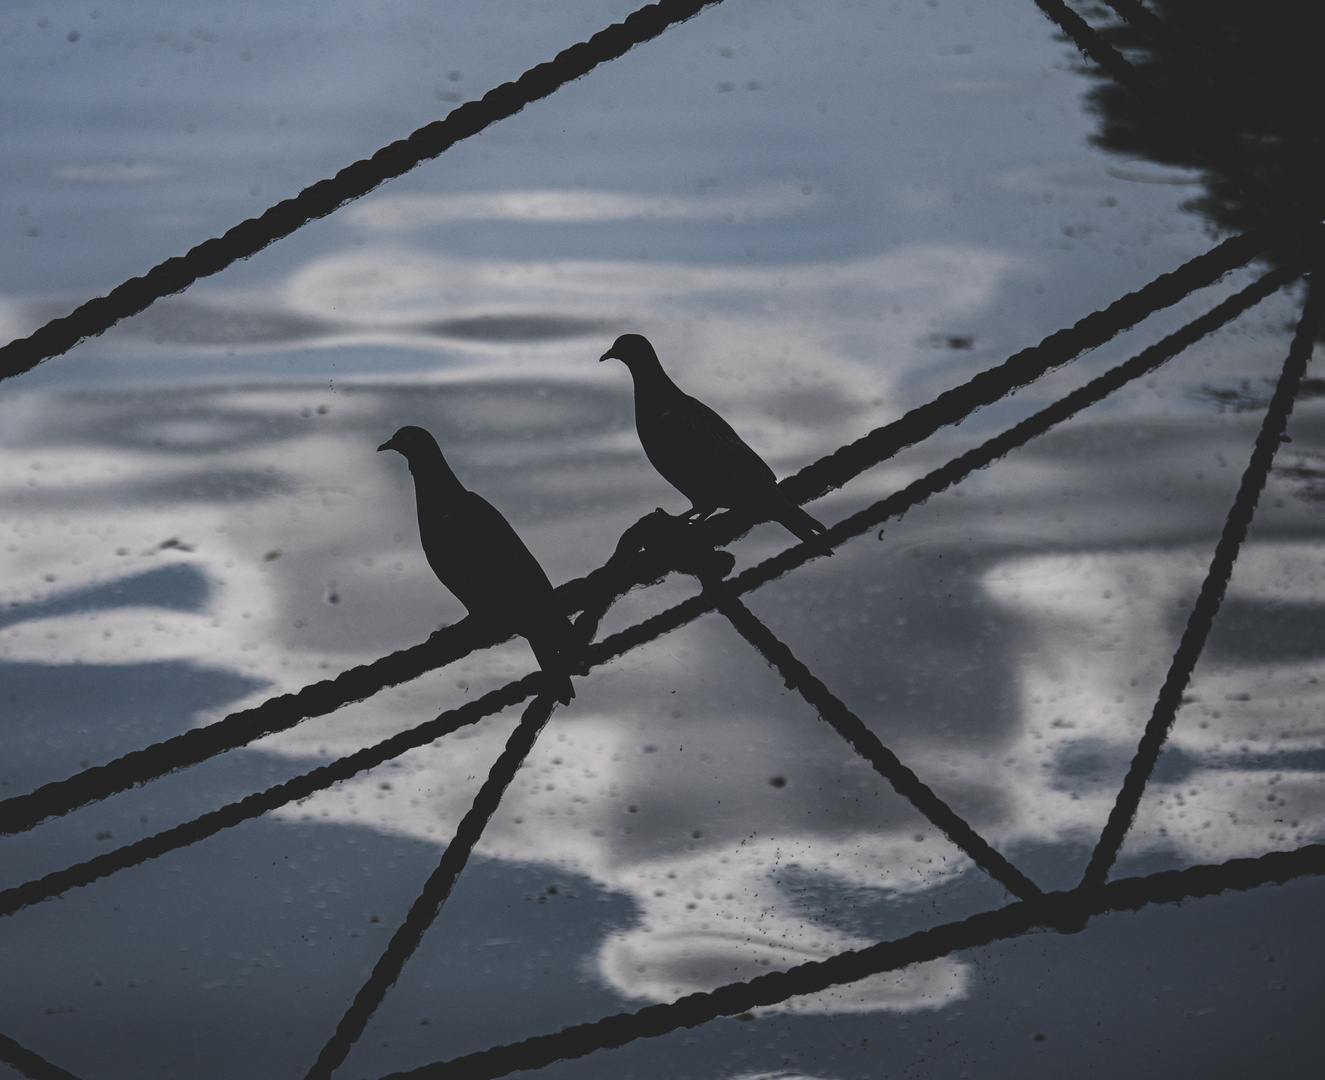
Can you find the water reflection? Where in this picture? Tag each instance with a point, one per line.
(411, 212)
(195, 544)
(686, 777)
(1251, 79)
(687, 780)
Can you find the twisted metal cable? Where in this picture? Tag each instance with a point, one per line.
(320, 199)
(654, 627)
(436, 890)
(1024, 367)
(1050, 912)
(868, 745)
(1053, 911)
(261, 802)
(30, 1064)
(1205, 609)
(20, 813)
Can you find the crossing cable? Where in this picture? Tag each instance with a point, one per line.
(1075, 904)
(405, 941)
(30, 1064)
(654, 627)
(1058, 349)
(320, 199)
(1185, 126)
(868, 745)
(20, 813)
(1213, 588)
(262, 802)
(1049, 912)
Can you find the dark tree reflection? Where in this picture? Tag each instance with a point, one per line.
(1248, 71)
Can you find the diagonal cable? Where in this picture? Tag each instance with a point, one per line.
(435, 891)
(1212, 590)
(1141, 18)
(20, 813)
(320, 199)
(868, 745)
(261, 802)
(25, 811)
(1014, 920)
(1024, 367)
(1109, 888)
(30, 1064)
(648, 630)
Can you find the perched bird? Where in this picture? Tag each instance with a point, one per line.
(697, 451)
(477, 555)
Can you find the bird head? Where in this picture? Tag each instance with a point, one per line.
(413, 442)
(425, 459)
(634, 351)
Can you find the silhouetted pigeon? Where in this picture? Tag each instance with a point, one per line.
(477, 555)
(697, 451)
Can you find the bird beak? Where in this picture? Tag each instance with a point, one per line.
(606, 356)
(388, 445)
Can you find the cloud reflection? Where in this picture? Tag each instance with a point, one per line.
(868, 320)
(407, 212)
(1015, 680)
(1105, 630)
(686, 777)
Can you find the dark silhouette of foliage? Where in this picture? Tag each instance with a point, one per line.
(1249, 74)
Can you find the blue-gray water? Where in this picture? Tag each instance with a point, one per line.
(823, 216)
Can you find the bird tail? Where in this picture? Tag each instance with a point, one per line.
(792, 517)
(557, 649)
(559, 686)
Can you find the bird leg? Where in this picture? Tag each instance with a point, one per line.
(684, 549)
(676, 544)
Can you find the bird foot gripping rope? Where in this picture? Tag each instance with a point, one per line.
(655, 546)
(675, 541)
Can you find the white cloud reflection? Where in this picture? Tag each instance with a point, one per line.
(764, 343)
(1106, 626)
(577, 206)
(495, 308)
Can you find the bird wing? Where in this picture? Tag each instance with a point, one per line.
(518, 594)
(490, 563)
(478, 556)
(700, 454)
